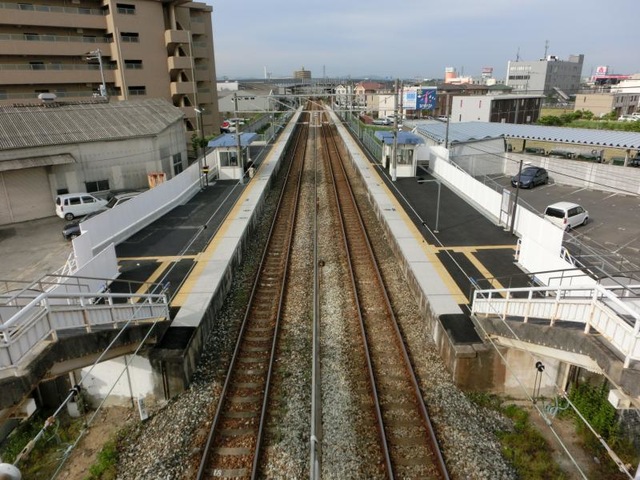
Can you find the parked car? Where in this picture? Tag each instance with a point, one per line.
(72, 230)
(227, 127)
(72, 205)
(530, 177)
(382, 121)
(629, 118)
(120, 198)
(567, 215)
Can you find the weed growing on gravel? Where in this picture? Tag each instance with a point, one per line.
(522, 445)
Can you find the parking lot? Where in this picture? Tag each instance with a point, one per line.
(32, 249)
(614, 219)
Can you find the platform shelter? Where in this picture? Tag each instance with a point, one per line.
(406, 151)
(231, 154)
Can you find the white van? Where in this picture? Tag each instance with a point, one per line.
(71, 205)
(566, 215)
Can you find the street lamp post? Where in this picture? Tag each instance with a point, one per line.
(97, 55)
(203, 168)
(437, 203)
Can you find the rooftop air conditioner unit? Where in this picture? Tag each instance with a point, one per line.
(47, 97)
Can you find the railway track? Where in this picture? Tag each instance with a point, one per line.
(407, 444)
(407, 439)
(233, 444)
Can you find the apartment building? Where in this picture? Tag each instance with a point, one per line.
(141, 49)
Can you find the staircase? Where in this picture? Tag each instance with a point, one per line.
(32, 317)
(613, 312)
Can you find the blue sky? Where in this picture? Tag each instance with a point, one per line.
(419, 38)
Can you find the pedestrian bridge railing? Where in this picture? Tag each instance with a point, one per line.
(614, 312)
(25, 324)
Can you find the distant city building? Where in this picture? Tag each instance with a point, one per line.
(344, 95)
(522, 109)
(140, 49)
(547, 76)
(602, 103)
(628, 85)
(366, 95)
(230, 102)
(302, 74)
(451, 76)
(604, 78)
(228, 86)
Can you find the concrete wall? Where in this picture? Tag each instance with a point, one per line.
(600, 176)
(124, 163)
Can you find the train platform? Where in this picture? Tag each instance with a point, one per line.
(193, 249)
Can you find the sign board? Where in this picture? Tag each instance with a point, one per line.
(426, 99)
(420, 98)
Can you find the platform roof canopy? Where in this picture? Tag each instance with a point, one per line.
(404, 138)
(231, 140)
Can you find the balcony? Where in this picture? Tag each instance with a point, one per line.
(52, 16)
(179, 63)
(182, 88)
(51, 73)
(46, 45)
(175, 37)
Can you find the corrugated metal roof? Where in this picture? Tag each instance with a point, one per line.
(470, 131)
(59, 124)
(230, 140)
(404, 138)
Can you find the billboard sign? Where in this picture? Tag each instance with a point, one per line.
(426, 99)
(419, 98)
(409, 99)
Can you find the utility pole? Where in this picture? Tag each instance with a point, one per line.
(394, 148)
(446, 131)
(238, 146)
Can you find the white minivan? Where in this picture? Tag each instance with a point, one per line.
(71, 205)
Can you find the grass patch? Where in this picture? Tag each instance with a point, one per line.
(48, 451)
(522, 445)
(105, 467)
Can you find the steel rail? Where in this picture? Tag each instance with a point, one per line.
(360, 252)
(272, 272)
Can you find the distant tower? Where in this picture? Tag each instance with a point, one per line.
(302, 74)
(265, 72)
(449, 74)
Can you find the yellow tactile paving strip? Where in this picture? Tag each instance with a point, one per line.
(469, 253)
(429, 250)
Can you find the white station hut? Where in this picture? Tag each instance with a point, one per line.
(407, 151)
(232, 155)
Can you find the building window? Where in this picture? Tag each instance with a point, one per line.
(25, 6)
(126, 9)
(97, 186)
(177, 164)
(228, 159)
(37, 65)
(130, 37)
(133, 64)
(137, 90)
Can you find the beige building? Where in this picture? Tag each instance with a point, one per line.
(141, 49)
(604, 103)
(94, 147)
